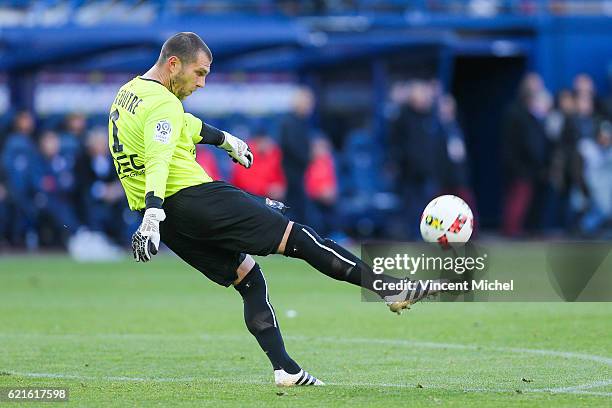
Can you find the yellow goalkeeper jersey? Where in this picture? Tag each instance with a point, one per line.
(152, 141)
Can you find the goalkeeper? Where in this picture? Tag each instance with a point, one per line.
(211, 225)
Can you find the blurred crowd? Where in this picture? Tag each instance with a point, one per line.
(427, 149)
(557, 159)
(61, 12)
(55, 182)
(555, 153)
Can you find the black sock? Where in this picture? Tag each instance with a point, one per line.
(334, 261)
(261, 321)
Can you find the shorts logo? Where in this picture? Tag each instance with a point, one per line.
(163, 131)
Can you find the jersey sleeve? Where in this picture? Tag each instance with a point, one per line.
(193, 127)
(162, 131)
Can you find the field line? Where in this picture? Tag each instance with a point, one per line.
(595, 384)
(577, 389)
(435, 345)
(565, 390)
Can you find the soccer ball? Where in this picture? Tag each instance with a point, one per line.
(447, 220)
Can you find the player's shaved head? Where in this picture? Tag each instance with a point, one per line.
(185, 46)
(183, 64)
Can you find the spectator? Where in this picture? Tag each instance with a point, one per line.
(18, 158)
(530, 84)
(322, 186)
(597, 159)
(295, 145)
(607, 101)
(558, 123)
(101, 196)
(456, 176)
(73, 137)
(266, 177)
(54, 180)
(564, 110)
(525, 157)
(566, 103)
(582, 126)
(584, 121)
(584, 87)
(417, 148)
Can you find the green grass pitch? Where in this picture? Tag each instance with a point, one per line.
(160, 334)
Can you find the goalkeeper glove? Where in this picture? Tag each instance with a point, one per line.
(145, 241)
(237, 149)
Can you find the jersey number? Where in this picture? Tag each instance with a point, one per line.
(114, 117)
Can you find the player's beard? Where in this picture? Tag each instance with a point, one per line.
(175, 87)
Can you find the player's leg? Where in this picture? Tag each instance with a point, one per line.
(229, 218)
(331, 259)
(259, 315)
(227, 267)
(261, 322)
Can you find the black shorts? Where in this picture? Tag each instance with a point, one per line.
(212, 226)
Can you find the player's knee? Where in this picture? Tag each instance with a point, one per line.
(324, 254)
(247, 265)
(301, 241)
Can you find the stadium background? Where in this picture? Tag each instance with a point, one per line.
(503, 102)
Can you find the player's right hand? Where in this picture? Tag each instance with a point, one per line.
(145, 241)
(237, 149)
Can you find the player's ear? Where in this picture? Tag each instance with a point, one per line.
(174, 63)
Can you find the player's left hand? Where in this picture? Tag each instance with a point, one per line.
(237, 149)
(145, 241)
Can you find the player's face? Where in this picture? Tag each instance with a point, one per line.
(191, 76)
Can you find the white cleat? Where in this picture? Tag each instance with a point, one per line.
(284, 379)
(397, 303)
